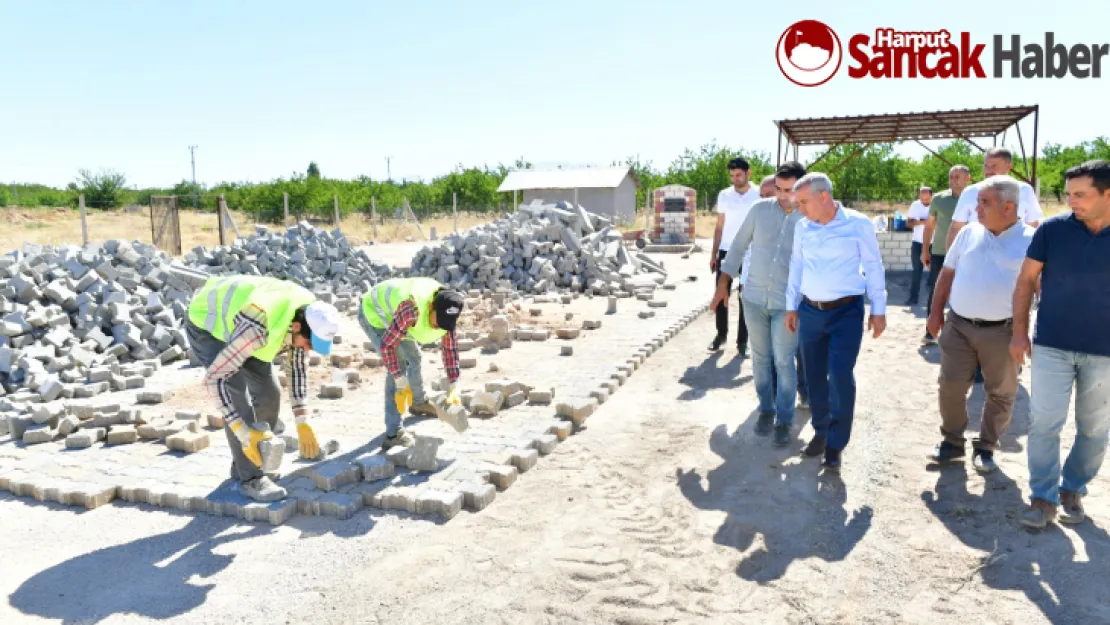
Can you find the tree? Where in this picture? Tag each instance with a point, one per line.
(313, 170)
(103, 190)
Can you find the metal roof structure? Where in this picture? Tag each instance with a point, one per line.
(966, 124)
(587, 178)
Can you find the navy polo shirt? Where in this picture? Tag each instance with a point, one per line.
(1075, 286)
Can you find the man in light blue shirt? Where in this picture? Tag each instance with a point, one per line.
(835, 260)
(769, 230)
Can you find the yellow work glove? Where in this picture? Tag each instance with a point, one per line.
(403, 396)
(249, 438)
(310, 449)
(453, 396)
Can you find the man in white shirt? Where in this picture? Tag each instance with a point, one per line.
(980, 272)
(733, 204)
(835, 260)
(998, 161)
(918, 216)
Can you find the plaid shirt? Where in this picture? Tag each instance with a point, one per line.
(249, 336)
(403, 319)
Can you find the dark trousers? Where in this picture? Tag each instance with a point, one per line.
(936, 263)
(830, 342)
(722, 310)
(918, 269)
(803, 392)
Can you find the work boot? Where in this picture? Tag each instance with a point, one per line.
(816, 446)
(423, 409)
(765, 423)
(715, 346)
(928, 340)
(832, 460)
(782, 435)
(262, 489)
(742, 349)
(1072, 513)
(983, 461)
(235, 474)
(403, 438)
(946, 452)
(1039, 514)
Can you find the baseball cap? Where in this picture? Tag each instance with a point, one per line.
(448, 306)
(323, 321)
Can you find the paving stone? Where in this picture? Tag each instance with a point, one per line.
(155, 396)
(577, 411)
(561, 429)
(331, 391)
(646, 314)
(101, 420)
(38, 434)
(92, 496)
(501, 476)
(423, 457)
(122, 434)
(545, 443)
(329, 476)
(440, 503)
(375, 466)
(272, 452)
(515, 399)
(187, 415)
(339, 505)
(188, 442)
(274, 513)
(600, 394)
(399, 456)
(568, 333)
(524, 459)
(541, 397)
(483, 403)
(477, 495)
(566, 350)
(82, 439)
(216, 422)
(591, 324)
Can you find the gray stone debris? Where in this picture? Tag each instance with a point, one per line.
(540, 249)
(423, 457)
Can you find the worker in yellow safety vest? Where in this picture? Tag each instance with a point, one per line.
(398, 315)
(237, 326)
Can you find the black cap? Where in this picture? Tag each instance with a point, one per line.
(448, 305)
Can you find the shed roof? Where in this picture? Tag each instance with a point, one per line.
(587, 178)
(959, 124)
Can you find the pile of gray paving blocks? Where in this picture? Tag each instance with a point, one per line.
(540, 249)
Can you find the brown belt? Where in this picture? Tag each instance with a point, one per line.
(836, 303)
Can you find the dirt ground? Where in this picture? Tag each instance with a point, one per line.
(666, 509)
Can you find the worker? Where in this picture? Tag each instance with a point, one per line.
(398, 315)
(237, 326)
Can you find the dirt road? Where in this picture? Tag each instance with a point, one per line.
(668, 509)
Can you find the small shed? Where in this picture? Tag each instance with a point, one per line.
(609, 191)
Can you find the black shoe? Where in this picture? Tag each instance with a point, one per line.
(716, 344)
(816, 446)
(947, 452)
(765, 423)
(911, 302)
(743, 349)
(782, 435)
(832, 460)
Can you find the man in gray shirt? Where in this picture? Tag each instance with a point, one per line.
(769, 230)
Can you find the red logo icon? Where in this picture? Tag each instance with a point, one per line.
(809, 53)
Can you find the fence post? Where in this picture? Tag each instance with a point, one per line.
(455, 210)
(373, 218)
(220, 217)
(576, 198)
(335, 199)
(84, 225)
(285, 201)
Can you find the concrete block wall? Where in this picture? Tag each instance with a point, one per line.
(895, 247)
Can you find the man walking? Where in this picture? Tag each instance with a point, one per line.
(941, 210)
(1070, 257)
(398, 315)
(917, 216)
(835, 260)
(237, 326)
(998, 161)
(979, 276)
(733, 205)
(769, 230)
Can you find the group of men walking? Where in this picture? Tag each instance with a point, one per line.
(238, 326)
(805, 264)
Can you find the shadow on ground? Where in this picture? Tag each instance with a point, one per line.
(1058, 578)
(754, 498)
(710, 374)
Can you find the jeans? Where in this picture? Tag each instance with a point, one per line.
(254, 390)
(936, 263)
(408, 356)
(773, 351)
(918, 269)
(722, 310)
(1054, 373)
(803, 393)
(830, 341)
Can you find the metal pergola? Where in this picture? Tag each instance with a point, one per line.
(966, 124)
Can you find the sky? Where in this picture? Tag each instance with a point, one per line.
(263, 88)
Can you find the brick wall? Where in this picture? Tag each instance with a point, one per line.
(895, 247)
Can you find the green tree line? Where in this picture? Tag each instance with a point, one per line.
(859, 172)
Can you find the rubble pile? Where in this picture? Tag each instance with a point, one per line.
(540, 249)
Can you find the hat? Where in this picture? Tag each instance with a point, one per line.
(323, 321)
(448, 306)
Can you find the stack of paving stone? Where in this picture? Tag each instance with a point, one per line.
(321, 261)
(542, 248)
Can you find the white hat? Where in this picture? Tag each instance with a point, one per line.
(323, 321)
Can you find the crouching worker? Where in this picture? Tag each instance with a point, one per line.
(399, 315)
(237, 326)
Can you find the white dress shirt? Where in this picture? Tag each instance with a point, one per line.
(835, 260)
(987, 268)
(918, 210)
(1028, 208)
(734, 206)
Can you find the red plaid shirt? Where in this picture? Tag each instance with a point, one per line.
(404, 318)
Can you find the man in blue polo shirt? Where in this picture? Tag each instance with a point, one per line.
(1070, 254)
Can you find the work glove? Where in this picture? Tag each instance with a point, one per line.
(249, 438)
(403, 396)
(310, 449)
(453, 395)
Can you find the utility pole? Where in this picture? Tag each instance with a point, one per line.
(193, 158)
(388, 174)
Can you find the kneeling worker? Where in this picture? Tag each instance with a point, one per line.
(237, 326)
(397, 315)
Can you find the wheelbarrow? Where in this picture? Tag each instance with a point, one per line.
(634, 237)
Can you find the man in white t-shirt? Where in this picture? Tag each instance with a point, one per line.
(733, 204)
(998, 161)
(917, 216)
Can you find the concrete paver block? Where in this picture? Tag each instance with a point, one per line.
(272, 452)
(155, 396)
(274, 513)
(187, 415)
(477, 495)
(566, 350)
(399, 456)
(445, 504)
(82, 439)
(38, 434)
(216, 422)
(423, 457)
(122, 435)
(374, 467)
(545, 443)
(486, 404)
(331, 391)
(577, 411)
(600, 394)
(501, 476)
(515, 399)
(561, 430)
(524, 459)
(541, 397)
(188, 442)
(329, 476)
